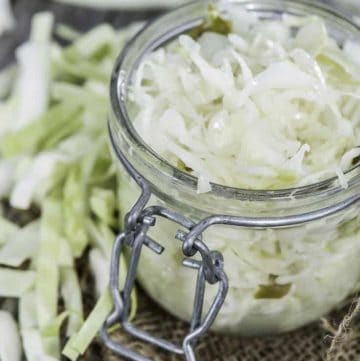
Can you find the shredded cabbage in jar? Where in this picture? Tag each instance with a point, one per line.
(253, 104)
(256, 104)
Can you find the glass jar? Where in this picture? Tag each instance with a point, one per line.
(297, 255)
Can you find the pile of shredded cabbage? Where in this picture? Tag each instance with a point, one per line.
(253, 104)
(54, 154)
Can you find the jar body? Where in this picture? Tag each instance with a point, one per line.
(279, 278)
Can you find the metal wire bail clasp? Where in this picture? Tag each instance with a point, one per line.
(210, 270)
(135, 239)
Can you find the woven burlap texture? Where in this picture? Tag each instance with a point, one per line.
(335, 338)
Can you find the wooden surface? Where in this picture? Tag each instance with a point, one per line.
(79, 18)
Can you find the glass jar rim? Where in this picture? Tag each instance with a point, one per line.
(122, 76)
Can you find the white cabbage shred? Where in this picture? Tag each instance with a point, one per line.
(259, 108)
(54, 156)
(10, 346)
(7, 20)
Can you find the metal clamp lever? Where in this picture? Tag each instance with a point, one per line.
(199, 326)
